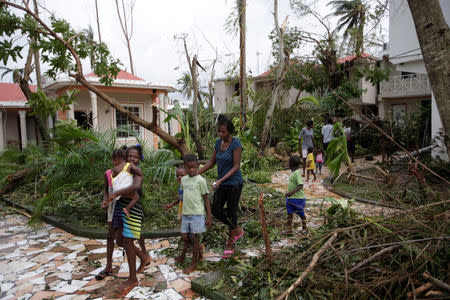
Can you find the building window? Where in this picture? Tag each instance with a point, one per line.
(122, 120)
(408, 75)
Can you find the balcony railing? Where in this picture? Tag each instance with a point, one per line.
(400, 86)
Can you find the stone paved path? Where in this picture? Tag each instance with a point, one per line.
(49, 263)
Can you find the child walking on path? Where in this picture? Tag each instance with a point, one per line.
(195, 203)
(310, 165)
(319, 160)
(295, 196)
(117, 157)
(135, 155)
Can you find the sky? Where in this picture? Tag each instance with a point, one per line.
(158, 57)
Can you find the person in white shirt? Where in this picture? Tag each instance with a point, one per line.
(327, 134)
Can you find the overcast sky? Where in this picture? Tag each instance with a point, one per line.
(157, 55)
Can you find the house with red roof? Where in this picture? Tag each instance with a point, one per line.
(228, 94)
(89, 111)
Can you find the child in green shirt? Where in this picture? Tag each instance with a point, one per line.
(195, 203)
(295, 196)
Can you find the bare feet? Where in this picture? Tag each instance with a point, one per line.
(126, 287)
(144, 263)
(180, 258)
(189, 269)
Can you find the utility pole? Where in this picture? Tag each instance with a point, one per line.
(242, 74)
(257, 62)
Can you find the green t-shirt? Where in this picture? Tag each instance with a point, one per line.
(295, 179)
(193, 190)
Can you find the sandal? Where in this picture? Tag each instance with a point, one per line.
(237, 237)
(102, 275)
(227, 253)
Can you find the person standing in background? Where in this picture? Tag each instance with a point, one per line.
(307, 134)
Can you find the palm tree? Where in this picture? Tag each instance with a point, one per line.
(352, 15)
(15, 73)
(186, 84)
(89, 33)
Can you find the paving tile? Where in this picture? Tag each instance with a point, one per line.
(46, 294)
(168, 272)
(179, 285)
(71, 287)
(140, 293)
(15, 266)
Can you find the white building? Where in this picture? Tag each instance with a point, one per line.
(18, 128)
(409, 83)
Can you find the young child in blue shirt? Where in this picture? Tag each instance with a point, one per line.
(295, 196)
(180, 173)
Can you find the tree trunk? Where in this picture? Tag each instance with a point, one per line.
(42, 128)
(98, 22)
(281, 70)
(434, 39)
(242, 72)
(124, 25)
(198, 143)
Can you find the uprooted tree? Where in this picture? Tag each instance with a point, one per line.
(64, 49)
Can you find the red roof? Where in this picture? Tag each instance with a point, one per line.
(121, 75)
(352, 57)
(12, 92)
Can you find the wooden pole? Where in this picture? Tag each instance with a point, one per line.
(265, 232)
(242, 71)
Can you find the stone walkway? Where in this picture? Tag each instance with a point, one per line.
(49, 263)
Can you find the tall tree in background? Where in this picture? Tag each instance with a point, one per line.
(98, 22)
(281, 71)
(37, 60)
(241, 4)
(352, 15)
(126, 23)
(196, 97)
(434, 39)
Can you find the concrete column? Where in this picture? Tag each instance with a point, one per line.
(71, 111)
(94, 110)
(23, 128)
(2, 132)
(50, 125)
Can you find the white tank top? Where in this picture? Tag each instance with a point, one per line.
(123, 180)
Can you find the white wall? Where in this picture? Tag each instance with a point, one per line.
(404, 48)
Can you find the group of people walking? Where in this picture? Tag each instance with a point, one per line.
(123, 193)
(122, 200)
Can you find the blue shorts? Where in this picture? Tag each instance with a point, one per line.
(295, 206)
(193, 224)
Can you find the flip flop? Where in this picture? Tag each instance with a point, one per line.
(227, 253)
(102, 275)
(237, 237)
(125, 291)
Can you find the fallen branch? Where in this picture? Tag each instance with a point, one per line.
(402, 243)
(309, 268)
(419, 290)
(367, 177)
(436, 282)
(371, 258)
